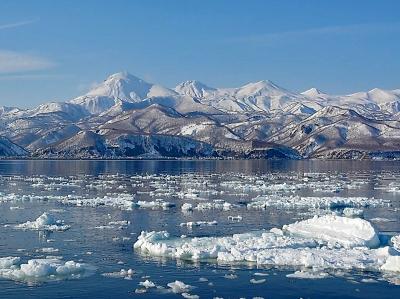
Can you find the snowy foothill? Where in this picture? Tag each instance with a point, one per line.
(325, 243)
(46, 222)
(42, 270)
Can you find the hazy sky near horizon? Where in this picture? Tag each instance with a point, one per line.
(56, 50)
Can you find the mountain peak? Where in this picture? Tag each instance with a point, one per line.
(193, 88)
(122, 86)
(123, 76)
(312, 92)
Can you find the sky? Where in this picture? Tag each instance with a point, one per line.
(57, 50)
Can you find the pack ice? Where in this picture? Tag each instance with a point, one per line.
(321, 243)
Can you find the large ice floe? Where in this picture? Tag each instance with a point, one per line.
(42, 270)
(44, 222)
(321, 244)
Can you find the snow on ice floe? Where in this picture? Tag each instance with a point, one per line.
(335, 230)
(322, 243)
(44, 222)
(42, 270)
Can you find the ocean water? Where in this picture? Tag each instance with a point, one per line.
(62, 188)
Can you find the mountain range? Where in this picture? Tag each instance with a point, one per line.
(125, 116)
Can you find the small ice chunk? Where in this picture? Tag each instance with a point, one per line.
(257, 281)
(308, 275)
(48, 250)
(235, 218)
(179, 287)
(353, 212)
(189, 296)
(187, 207)
(125, 274)
(44, 222)
(199, 223)
(147, 284)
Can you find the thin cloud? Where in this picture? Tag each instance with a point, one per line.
(16, 62)
(29, 77)
(320, 31)
(18, 24)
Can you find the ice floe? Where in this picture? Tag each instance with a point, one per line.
(125, 274)
(199, 223)
(179, 287)
(44, 222)
(308, 275)
(42, 270)
(324, 243)
(147, 284)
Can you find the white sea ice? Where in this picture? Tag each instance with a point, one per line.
(48, 250)
(120, 201)
(155, 204)
(396, 242)
(41, 270)
(257, 281)
(308, 275)
(237, 218)
(353, 212)
(295, 201)
(199, 223)
(392, 264)
(125, 274)
(147, 284)
(336, 230)
(324, 243)
(179, 287)
(44, 222)
(187, 207)
(190, 296)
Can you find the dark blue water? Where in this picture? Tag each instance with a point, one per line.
(106, 248)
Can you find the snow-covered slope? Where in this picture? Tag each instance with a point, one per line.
(10, 149)
(120, 86)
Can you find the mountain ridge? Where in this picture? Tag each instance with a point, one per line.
(226, 122)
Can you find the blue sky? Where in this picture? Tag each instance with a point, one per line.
(56, 50)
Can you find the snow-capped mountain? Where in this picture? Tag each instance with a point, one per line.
(125, 116)
(120, 86)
